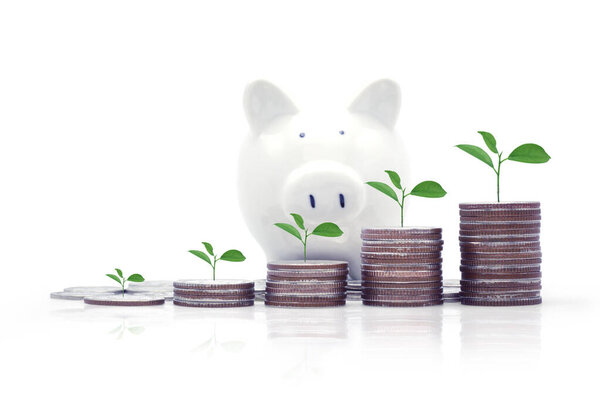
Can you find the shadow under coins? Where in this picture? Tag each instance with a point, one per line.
(494, 334)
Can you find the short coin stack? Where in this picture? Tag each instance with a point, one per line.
(312, 283)
(401, 267)
(221, 293)
(500, 253)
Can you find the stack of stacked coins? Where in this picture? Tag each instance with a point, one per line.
(500, 253)
(213, 294)
(401, 267)
(312, 283)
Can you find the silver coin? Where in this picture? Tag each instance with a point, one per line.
(124, 300)
(213, 284)
(68, 295)
(166, 295)
(92, 289)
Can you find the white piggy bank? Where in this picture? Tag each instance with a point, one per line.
(318, 168)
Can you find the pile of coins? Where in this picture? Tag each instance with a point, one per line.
(312, 283)
(401, 267)
(221, 293)
(500, 253)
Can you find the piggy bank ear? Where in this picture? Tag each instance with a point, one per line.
(264, 102)
(380, 100)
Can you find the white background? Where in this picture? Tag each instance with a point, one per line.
(120, 124)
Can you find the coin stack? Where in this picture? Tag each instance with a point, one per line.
(401, 267)
(312, 283)
(500, 253)
(221, 293)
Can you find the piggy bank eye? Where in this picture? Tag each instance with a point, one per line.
(301, 134)
(342, 132)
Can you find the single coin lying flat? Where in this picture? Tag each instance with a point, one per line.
(124, 300)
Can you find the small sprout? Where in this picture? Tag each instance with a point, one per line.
(229, 255)
(526, 153)
(326, 229)
(121, 279)
(429, 189)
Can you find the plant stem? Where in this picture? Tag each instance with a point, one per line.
(214, 266)
(304, 243)
(498, 177)
(123, 286)
(402, 209)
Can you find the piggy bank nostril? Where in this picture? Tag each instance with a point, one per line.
(342, 201)
(312, 200)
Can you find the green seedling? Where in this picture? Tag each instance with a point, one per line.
(429, 189)
(526, 153)
(327, 229)
(121, 279)
(229, 255)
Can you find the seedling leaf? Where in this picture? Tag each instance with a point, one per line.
(299, 220)
(233, 256)
(114, 277)
(119, 272)
(202, 255)
(476, 152)
(208, 248)
(135, 278)
(490, 141)
(289, 229)
(328, 229)
(429, 189)
(529, 153)
(395, 178)
(384, 188)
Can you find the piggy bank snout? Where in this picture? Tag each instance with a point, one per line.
(324, 191)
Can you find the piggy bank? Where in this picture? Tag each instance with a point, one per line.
(317, 167)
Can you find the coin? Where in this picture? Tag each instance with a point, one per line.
(520, 247)
(401, 285)
(388, 236)
(500, 205)
(525, 255)
(213, 284)
(307, 275)
(526, 212)
(501, 268)
(68, 295)
(213, 297)
(402, 303)
(93, 289)
(401, 267)
(167, 295)
(491, 238)
(212, 304)
(124, 300)
(402, 292)
(401, 274)
(500, 261)
(401, 249)
(210, 292)
(502, 218)
(500, 275)
(402, 231)
(494, 303)
(404, 257)
(306, 285)
(310, 264)
(304, 298)
(398, 297)
(308, 290)
(504, 284)
(399, 243)
(151, 284)
(501, 295)
(298, 304)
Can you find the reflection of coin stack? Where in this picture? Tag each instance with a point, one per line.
(500, 253)
(401, 267)
(312, 283)
(214, 294)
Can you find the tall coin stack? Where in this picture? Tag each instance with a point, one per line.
(401, 267)
(312, 283)
(500, 253)
(206, 293)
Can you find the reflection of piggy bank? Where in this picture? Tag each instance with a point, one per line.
(318, 169)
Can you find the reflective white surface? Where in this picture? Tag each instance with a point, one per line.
(449, 350)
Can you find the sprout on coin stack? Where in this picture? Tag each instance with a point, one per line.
(307, 283)
(221, 293)
(499, 241)
(402, 266)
